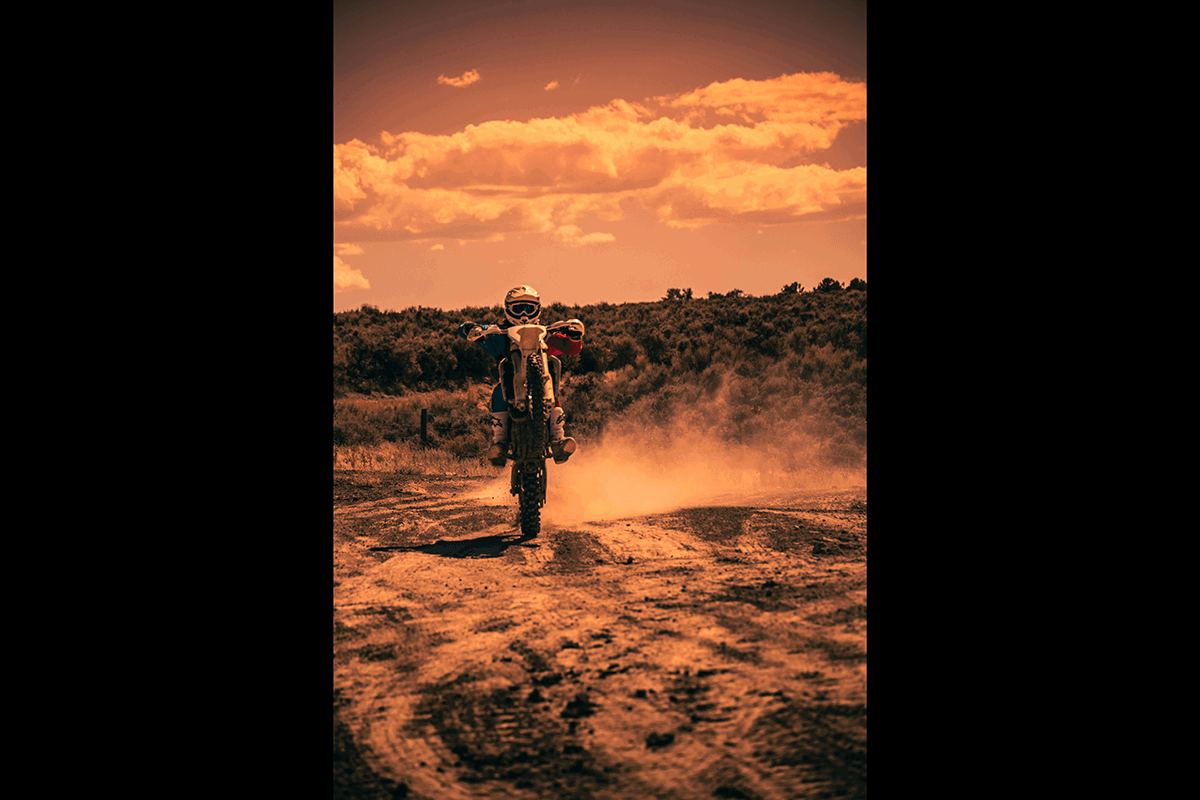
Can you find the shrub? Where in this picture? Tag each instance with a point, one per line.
(797, 357)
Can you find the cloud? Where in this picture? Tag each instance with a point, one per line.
(552, 85)
(815, 97)
(438, 247)
(573, 236)
(346, 278)
(348, 249)
(731, 152)
(759, 193)
(466, 79)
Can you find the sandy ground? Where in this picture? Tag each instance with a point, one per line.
(708, 651)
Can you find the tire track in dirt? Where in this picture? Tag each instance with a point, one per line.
(690, 654)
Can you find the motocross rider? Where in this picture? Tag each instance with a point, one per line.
(523, 306)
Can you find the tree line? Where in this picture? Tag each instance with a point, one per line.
(416, 349)
(796, 358)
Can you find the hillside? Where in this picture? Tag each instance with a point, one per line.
(786, 373)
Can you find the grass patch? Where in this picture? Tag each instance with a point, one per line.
(409, 459)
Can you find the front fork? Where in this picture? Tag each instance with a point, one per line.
(512, 381)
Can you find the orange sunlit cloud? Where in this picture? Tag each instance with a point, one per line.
(805, 97)
(466, 79)
(345, 277)
(552, 85)
(733, 151)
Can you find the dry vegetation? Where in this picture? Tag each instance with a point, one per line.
(785, 374)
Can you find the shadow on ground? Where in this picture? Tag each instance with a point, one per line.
(483, 547)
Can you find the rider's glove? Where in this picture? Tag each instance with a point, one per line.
(572, 329)
(566, 337)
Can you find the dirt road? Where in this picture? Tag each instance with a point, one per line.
(703, 652)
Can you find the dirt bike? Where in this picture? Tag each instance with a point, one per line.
(530, 378)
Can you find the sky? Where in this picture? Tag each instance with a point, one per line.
(599, 152)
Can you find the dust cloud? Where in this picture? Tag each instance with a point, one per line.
(635, 475)
(657, 472)
(634, 471)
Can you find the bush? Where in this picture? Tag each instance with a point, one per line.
(790, 359)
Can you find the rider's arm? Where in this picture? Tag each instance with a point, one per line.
(490, 337)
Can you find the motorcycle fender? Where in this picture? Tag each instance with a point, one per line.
(525, 340)
(547, 382)
(533, 340)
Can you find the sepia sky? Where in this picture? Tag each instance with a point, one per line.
(600, 152)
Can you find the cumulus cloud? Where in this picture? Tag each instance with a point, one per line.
(466, 79)
(438, 247)
(552, 85)
(737, 151)
(346, 278)
(814, 97)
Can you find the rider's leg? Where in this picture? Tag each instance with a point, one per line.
(498, 452)
(560, 446)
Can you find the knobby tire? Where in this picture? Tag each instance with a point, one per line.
(531, 480)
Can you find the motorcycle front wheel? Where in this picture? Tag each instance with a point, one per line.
(530, 496)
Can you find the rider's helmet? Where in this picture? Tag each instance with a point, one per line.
(523, 306)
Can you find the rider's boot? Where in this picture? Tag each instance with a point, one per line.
(498, 452)
(561, 447)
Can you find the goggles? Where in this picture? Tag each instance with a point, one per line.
(570, 333)
(524, 309)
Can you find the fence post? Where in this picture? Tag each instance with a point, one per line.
(424, 435)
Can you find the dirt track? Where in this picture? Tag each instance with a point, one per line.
(700, 653)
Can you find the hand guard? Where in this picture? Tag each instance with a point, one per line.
(566, 338)
(469, 331)
(572, 329)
